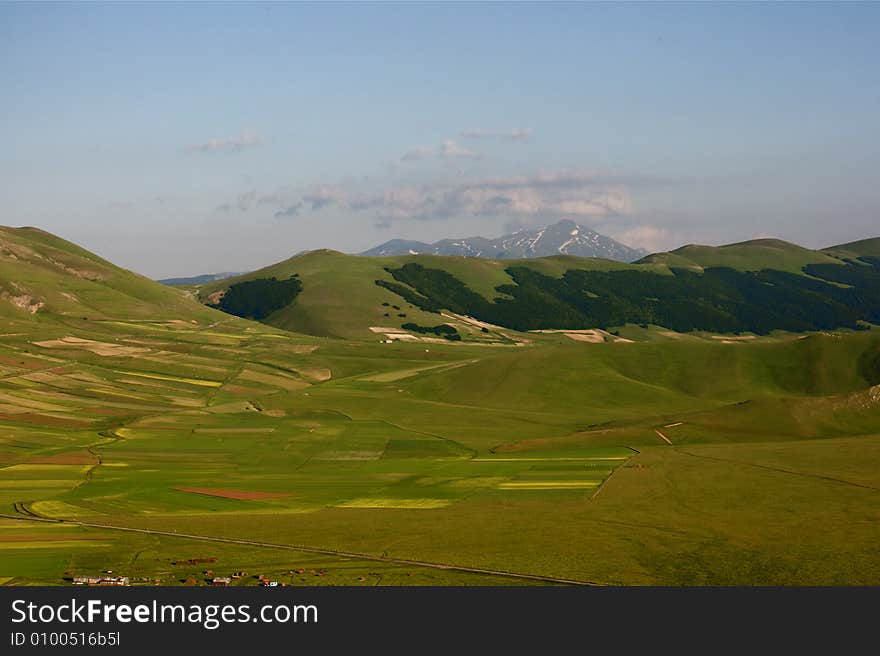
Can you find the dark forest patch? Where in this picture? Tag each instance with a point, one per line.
(717, 299)
(257, 299)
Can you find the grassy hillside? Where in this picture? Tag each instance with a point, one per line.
(757, 286)
(856, 249)
(340, 298)
(45, 279)
(652, 457)
(334, 301)
(752, 255)
(719, 299)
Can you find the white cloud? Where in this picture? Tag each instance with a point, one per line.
(577, 195)
(232, 144)
(517, 134)
(450, 149)
(323, 195)
(447, 150)
(651, 238)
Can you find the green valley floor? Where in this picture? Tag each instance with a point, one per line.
(234, 447)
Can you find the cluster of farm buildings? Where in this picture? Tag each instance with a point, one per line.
(100, 580)
(108, 580)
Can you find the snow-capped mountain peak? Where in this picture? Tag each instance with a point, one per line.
(564, 237)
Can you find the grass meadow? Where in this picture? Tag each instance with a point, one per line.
(665, 460)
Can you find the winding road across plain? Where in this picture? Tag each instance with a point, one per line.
(328, 552)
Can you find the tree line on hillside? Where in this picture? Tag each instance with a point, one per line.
(443, 330)
(718, 299)
(258, 298)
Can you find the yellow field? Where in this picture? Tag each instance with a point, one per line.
(395, 503)
(548, 459)
(174, 379)
(53, 509)
(476, 482)
(230, 336)
(111, 392)
(31, 404)
(72, 470)
(548, 485)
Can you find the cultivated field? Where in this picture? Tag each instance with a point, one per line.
(148, 435)
(539, 460)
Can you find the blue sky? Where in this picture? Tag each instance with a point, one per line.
(189, 138)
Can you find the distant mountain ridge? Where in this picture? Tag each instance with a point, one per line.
(561, 238)
(756, 286)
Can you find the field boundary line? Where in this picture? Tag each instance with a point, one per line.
(434, 435)
(636, 452)
(781, 470)
(327, 552)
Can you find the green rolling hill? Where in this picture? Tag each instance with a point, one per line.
(45, 279)
(855, 249)
(755, 286)
(752, 255)
(649, 457)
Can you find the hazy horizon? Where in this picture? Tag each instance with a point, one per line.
(183, 139)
